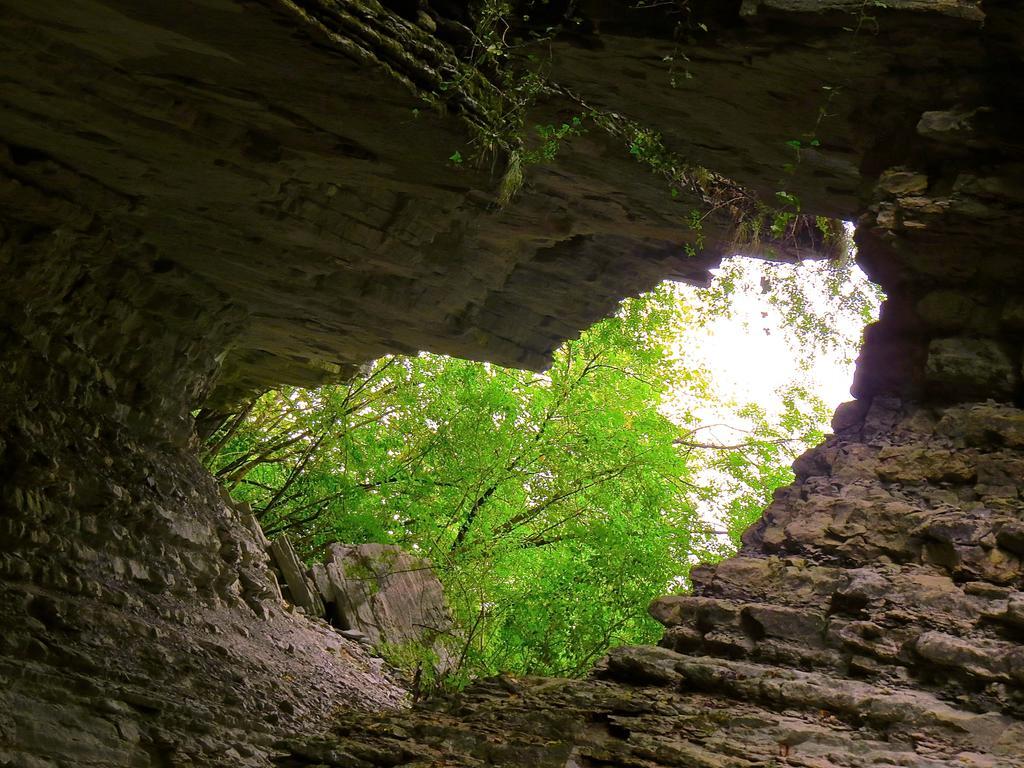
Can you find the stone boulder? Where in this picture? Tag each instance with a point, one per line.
(300, 590)
(388, 595)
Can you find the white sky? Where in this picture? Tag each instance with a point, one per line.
(751, 355)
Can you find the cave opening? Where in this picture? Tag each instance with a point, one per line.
(553, 506)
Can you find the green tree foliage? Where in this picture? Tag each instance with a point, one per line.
(738, 478)
(553, 506)
(820, 307)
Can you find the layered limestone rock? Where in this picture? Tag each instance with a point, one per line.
(377, 594)
(138, 621)
(205, 198)
(654, 707)
(388, 596)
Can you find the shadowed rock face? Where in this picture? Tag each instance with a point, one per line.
(388, 595)
(201, 199)
(309, 190)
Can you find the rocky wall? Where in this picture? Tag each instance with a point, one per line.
(301, 179)
(205, 198)
(139, 624)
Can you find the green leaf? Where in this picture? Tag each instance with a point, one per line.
(788, 199)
